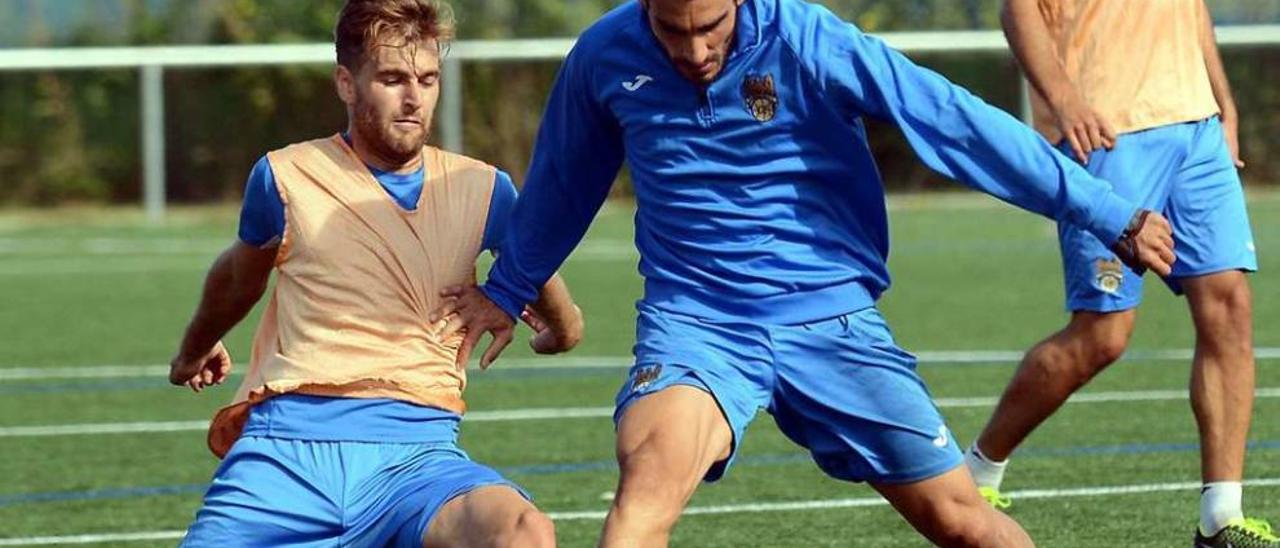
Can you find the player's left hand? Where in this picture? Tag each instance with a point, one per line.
(471, 312)
(1147, 243)
(547, 340)
(1231, 132)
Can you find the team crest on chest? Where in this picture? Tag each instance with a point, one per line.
(761, 96)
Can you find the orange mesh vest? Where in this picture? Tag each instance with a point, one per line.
(357, 276)
(1137, 62)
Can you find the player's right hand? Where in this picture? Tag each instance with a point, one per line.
(1147, 243)
(470, 311)
(1083, 127)
(200, 371)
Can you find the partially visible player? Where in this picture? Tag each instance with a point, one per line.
(1136, 91)
(763, 239)
(344, 431)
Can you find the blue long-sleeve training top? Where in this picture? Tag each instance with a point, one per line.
(757, 196)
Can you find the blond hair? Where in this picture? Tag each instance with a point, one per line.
(366, 24)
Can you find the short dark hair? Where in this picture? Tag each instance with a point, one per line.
(366, 24)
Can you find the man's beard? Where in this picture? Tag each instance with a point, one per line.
(386, 144)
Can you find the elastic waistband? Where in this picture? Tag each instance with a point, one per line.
(319, 418)
(781, 309)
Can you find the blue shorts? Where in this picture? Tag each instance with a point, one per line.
(1183, 171)
(841, 388)
(276, 492)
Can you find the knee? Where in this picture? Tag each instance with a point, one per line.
(649, 491)
(1232, 304)
(963, 526)
(529, 529)
(1107, 347)
(1099, 341)
(1074, 365)
(1224, 321)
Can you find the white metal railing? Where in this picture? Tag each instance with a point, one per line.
(151, 61)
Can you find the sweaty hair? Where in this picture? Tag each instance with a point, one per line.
(366, 24)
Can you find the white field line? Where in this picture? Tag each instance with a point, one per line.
(758, 507)
(89, 372)
(81, 268)
(93, 539)
(557, 413)
(112, 246)
(1032, 494)
(586, 362)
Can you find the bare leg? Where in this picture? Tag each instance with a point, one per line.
(666, 443)
(1222, 375)
(947, 510)
(1050, 373)
(490, 517)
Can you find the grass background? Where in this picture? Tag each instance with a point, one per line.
(94, 287)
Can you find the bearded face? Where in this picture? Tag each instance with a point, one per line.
(390, 100)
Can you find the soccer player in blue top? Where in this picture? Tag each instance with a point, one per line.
(762, 233)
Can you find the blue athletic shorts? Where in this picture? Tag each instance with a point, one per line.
(841, 388)
(278, 492)
(1185, 172)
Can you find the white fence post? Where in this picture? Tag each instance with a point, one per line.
(451, 105)
(151, 94)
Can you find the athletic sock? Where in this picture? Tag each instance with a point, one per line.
(1219, 505)
(986, 472)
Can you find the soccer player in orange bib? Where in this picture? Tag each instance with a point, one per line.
(1136, 92)
(344, 431)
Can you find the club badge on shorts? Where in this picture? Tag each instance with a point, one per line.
(1108, 274)
(645, 376)
(761, 96)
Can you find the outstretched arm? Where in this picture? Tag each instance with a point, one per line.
(575, 160)
(961, 137)
(236, 281)
(1029, 38)
(576, 157)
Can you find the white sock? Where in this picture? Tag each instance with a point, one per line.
(986, 472)
(1219, 504)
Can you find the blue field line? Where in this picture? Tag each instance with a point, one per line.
(774, 459)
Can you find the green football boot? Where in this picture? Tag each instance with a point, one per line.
(1240, 533)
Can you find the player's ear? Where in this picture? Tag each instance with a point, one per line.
(345, 83)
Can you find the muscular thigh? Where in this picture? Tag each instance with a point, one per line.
(680, 430)
(695, 388)
(470, 519)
